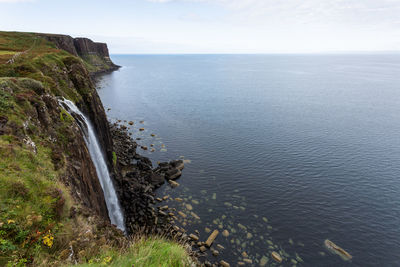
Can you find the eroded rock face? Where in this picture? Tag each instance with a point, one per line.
(64, 42)
(63, 137)
(77, 46)
(85, 46)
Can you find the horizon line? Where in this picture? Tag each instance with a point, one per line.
(266, 53)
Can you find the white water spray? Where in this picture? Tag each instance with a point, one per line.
(114, 210)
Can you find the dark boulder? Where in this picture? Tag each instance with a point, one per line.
(173, 174)
(156, 179)
(178, 164)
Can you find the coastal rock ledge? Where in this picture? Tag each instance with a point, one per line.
(93, 52)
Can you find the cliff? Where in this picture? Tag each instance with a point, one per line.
(45, 166)
(53, 211)
(95, 54)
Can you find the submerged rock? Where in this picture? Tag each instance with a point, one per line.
(195, 215)
(337, 250)
(225, 233)
(276, 256)
(182, 214)
(173, 183)
(241, 226)
(215, 253)
(263, 261)
(224, 264)
(211, 238)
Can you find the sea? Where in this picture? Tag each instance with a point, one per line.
(281, 151)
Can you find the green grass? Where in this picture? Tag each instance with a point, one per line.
(114, 155)
(32, 201)
(7, 52)
(144, 252)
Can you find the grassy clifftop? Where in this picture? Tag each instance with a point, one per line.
(31, 56)
(52, 211)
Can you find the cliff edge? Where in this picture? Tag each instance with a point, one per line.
(53, 211)
(49, 191)
(95, 54)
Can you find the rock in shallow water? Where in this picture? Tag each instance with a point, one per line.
(215, 253)
(211, 238)
(224, 264)
(276, 256)
(173, 183)
(194, 237)
(337, 250)
(225, 233)
(173, 174)
(263, 261)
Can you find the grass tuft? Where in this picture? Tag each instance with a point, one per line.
(144, 252)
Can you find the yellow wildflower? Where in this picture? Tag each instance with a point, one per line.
(107, 260)
(10, 221)
(48, 240)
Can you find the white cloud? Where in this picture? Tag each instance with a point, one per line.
(295, 25)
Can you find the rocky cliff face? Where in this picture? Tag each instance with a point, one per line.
(85, 46)
(49, 189)
(64, 42)
(60, 75)
(96, 54)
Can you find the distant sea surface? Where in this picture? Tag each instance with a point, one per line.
(283, 151)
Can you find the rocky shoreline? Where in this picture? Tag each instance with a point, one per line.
(136, 185)
(136, 182)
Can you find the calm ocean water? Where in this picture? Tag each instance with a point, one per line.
(295, 149)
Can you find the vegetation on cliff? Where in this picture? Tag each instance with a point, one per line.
(152, 251)
(52, 210)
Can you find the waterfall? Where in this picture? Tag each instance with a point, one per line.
(97, 156)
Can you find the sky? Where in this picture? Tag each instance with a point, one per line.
(214, 26)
